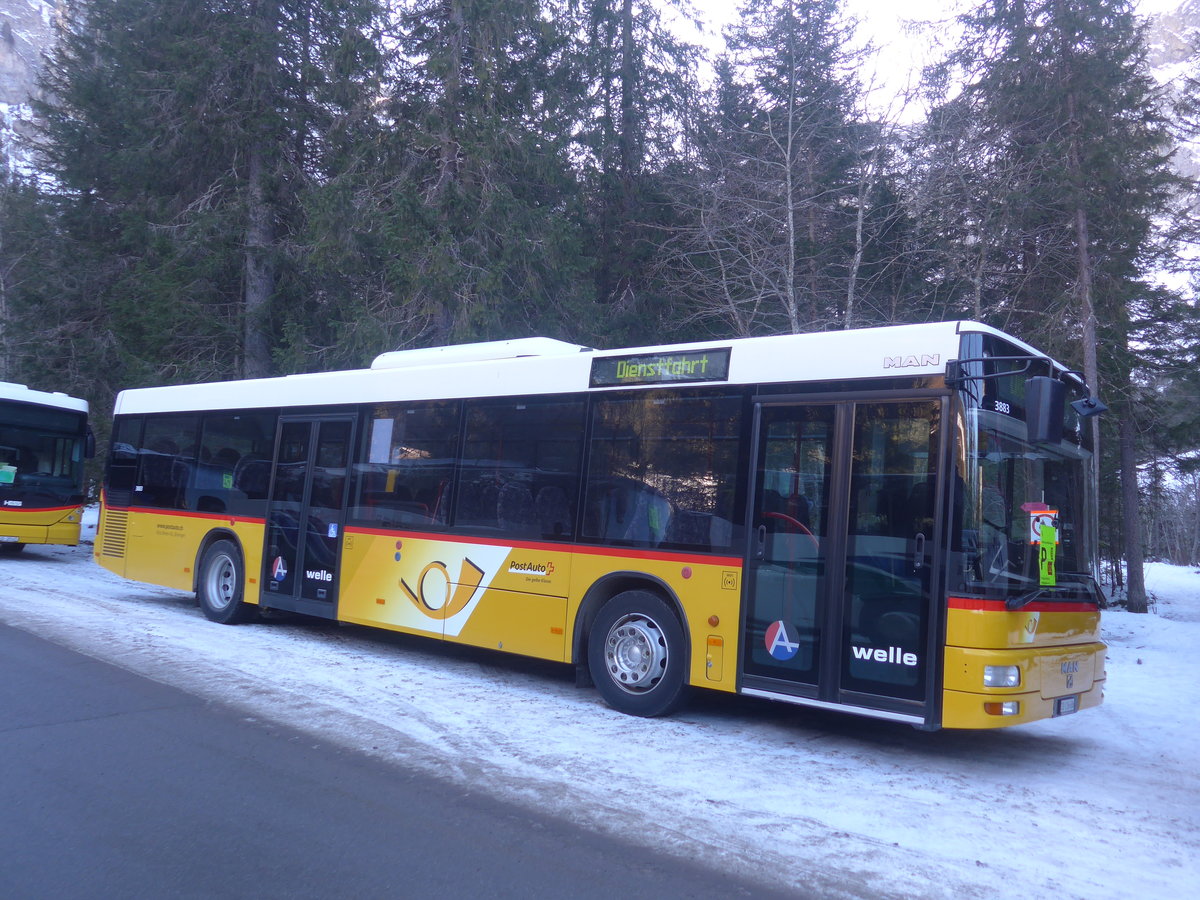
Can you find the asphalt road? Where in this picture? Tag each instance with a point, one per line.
(113, 785)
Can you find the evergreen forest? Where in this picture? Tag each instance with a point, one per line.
(240, 188)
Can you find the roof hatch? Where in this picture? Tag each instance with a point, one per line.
(479, 352)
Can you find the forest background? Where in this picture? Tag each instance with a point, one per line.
(239, 188)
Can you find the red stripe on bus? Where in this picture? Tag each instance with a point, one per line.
(999, 606)
(40, 509)
(185, 514)
(628, 552)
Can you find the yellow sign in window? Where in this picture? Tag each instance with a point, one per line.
(1047, 556)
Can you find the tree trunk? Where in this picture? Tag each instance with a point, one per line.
(867, 177)
(5, 373)
(1131, 516)
(856, 260)
(1192, 557)
(626, 139)
(448, 146)
(1091, 365)
(791, 300)
(260, 273)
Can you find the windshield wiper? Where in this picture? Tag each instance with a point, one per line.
(1022, 600)
(1085, 583)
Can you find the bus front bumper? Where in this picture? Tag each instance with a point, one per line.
(55, 526)
(1054, 681)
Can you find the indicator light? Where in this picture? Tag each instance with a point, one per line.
(1008, 708)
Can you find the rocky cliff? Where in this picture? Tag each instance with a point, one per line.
(1174, 45)
(26, 30)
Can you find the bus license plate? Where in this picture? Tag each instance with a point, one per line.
(1064, 706)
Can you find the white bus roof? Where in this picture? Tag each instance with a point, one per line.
(546, 366)
(23, 394)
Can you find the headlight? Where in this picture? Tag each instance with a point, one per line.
(1001, 676)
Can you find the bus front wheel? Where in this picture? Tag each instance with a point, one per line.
(636, 655)
(219, 588)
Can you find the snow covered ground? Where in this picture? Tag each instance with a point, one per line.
(1105, 804)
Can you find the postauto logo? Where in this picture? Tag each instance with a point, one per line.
(521, 567)
(438, 595)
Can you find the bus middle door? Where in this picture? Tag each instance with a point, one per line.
(304, 515)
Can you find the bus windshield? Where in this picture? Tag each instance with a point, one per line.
(41, 455)
(1025, 507)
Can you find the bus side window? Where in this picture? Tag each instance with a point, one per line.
(167, 458)
(520, 466)
(663, 469)
(409, 453)
(552, 507)
(122, 460)
(234, 469)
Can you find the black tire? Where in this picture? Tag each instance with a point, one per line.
(637, 655)
(220, 582)
(12, 549)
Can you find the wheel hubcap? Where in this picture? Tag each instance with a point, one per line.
(636, 653)
(220, 582)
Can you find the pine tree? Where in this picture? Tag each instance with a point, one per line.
(182, 137)
(37, 343)
(773, 240)
(639, 79)
(1054, 153)
(484, 191)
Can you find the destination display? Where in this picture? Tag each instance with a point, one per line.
(661, 368)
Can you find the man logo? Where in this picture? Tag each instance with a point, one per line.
(912, 362)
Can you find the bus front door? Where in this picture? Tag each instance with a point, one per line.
(840, 567)
(788, 564)
(304, 515)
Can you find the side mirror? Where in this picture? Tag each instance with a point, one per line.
(89, 444)
(1089, 407)
(1045, 404)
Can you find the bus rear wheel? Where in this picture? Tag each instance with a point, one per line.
(219, 587)
(636, 655)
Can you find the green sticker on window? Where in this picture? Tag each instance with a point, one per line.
(1047, 554)
(227, 481)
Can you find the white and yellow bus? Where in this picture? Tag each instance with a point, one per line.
(895, 522)
(44, 440)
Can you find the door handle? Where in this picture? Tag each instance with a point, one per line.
(760, 544)
(919, 551)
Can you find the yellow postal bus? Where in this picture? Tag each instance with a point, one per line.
(44, 439)
(896, 522)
